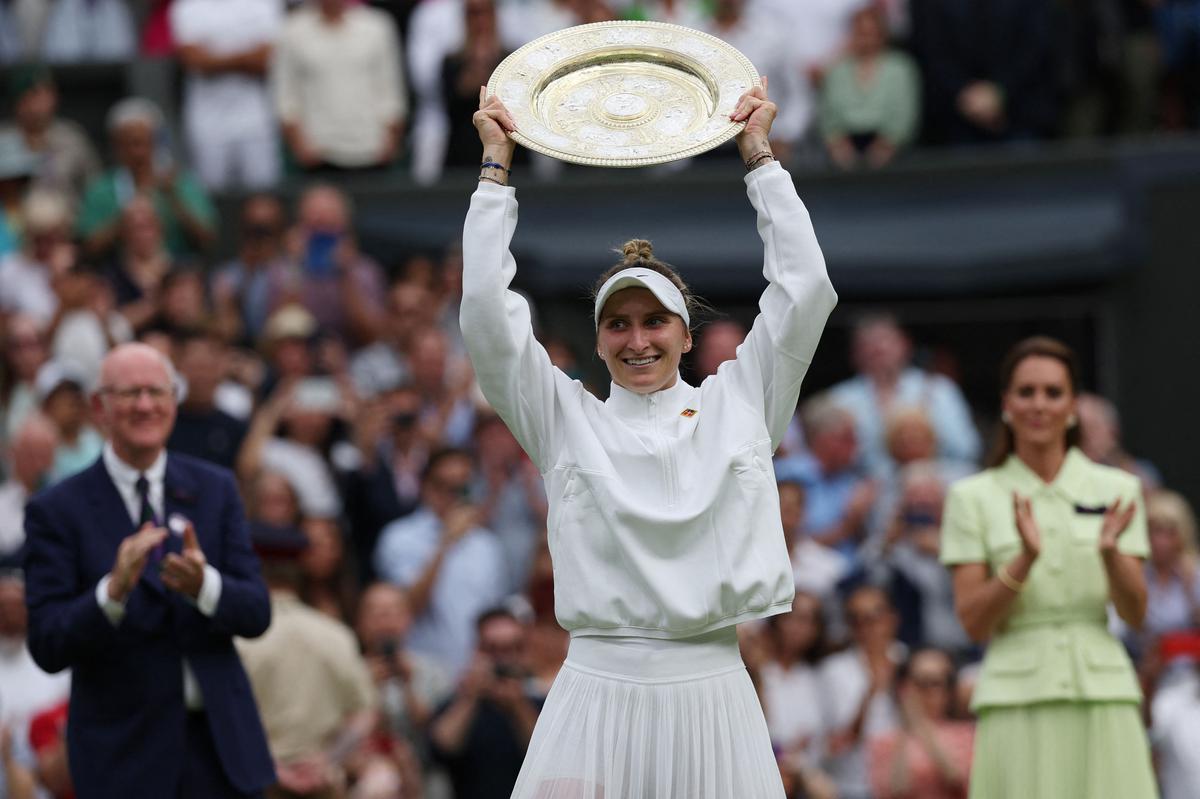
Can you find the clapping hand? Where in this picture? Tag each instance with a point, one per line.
(1116, 522)
(1027, 527)
(185, 572)
(131, 560)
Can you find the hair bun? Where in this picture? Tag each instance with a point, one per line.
(638, 250)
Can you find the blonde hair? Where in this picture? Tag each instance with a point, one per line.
(1171, 508)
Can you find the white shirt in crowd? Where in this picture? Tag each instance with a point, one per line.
(229, 117)
(844, 685)
(1176, 736)
(342, 84)
(664, 515)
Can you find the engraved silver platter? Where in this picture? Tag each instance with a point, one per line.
(623, 94)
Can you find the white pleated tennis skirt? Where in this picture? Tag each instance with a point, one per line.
(643, 718)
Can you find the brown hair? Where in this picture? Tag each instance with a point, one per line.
(640, 253)
(1033, 347)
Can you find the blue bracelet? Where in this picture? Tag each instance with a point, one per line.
(494, 165)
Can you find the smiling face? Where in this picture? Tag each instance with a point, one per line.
(136, 402)
(641, 341)
(1039, 402)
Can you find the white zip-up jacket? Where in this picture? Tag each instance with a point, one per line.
(664, 516)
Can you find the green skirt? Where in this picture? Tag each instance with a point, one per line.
(1062, 750)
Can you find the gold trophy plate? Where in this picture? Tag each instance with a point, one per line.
(623, 94)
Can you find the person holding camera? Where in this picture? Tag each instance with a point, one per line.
(449, 564)
(481, 733)
(1040, 544)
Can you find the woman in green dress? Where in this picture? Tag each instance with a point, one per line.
(1039, 544)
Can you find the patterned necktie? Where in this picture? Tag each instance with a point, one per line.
(146, 512)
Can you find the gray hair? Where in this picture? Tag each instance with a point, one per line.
(134, 109)
(822, 413)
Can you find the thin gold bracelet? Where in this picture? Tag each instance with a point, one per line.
(1008, 581)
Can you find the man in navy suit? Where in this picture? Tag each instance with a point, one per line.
(139, 572)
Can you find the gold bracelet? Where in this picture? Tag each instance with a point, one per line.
(1008, 581)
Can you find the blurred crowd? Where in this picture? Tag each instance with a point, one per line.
(401, 528)
(278, 87)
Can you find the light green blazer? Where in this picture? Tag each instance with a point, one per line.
(1055, 645)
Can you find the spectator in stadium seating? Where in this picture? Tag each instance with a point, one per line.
(1175, 732)
(771, 47)
(288, 347)
(328, 583)
(341, 286)
(317, 709)
(202, 429)
(31, 457)
(28, 275)
(16, 775)
(66, 160)
(463, 72)
(816, 568)
(1100, 439)
(184, 302)
(141, 265)
(145, 166)
(858, 684)
(410, 685)
(887, 381)
(246, 289)
(79, 31)
(688, 13)
(24, 353)
(989, 70)
(62, 394)
(445, 383)
(25, 689)
(89, 324)
(792, 695)
(339, 86)
(718, 343)
(292, 433)
(21, 24)
(909, 567)
(384, 365)
(481, 734)
(17, 167)
(48, 739)
(512, 496)
(450, 565)
(230, 123)
(1172, 570)
(929, 755)
(271, 501)
(838, 497)
(870, 98)
(385, 483)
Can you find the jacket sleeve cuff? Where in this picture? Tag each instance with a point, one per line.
(114, 611)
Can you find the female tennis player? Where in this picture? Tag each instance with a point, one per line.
(664, 522)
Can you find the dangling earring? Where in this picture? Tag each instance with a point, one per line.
(1072, 420)
(1006, 417)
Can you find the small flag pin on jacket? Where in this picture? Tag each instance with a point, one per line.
(688, 412)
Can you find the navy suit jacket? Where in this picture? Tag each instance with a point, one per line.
(125, 730)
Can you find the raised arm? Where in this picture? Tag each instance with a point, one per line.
(513, 370)
(773, 360)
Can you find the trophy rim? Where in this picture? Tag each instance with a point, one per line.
(731, 130)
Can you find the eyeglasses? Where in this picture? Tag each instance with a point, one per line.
(131, 394)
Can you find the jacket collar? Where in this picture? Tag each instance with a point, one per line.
(669, 401)
(1071, 481)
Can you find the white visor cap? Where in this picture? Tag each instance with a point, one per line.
(639, 277)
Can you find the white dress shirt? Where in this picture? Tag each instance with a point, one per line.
(125, 479)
